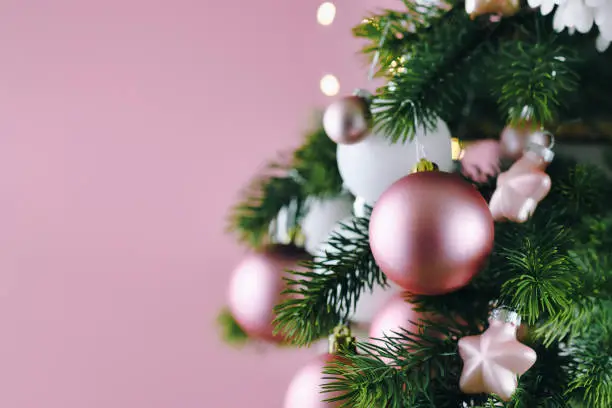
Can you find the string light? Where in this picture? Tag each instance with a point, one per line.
(326, 13)
(330, 85)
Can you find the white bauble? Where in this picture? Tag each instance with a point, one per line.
(370, 301)
(359, 208)
(322, 215)
(281, 228)
(370, 167)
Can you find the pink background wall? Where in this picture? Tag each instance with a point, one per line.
(120, 124)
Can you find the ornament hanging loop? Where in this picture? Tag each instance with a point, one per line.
(545, 152)
(423, 164)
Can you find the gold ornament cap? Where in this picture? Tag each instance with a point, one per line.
(425, 165)
(342, 340)
(505, 8)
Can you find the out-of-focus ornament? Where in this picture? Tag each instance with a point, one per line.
(395, 317)
(255, 288)
(580, 15)
(431, 232)
(360, 208)
(576, 15)
(368, 168)
(306, 388)
(504, 8)
(493, 360)
(521, 188)
(370, 300)
(481, 160)
(285, 229)
(322, 215)
(348, 120)
(515, 139)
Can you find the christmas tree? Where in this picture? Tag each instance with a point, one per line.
(441, 194)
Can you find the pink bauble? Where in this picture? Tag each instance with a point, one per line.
(514, 140)
(395, 316)
(305, 390)
(255, 288)
(431, 232)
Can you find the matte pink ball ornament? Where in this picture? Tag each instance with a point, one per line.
(306, 388)
(255, 289)
(431, 232)
(395, 317)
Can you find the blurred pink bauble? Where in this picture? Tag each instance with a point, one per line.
(348, 120)
(395, 316)
(514, 140)
(305, 390)
(481, 160)
(431, 232)
(255, 288)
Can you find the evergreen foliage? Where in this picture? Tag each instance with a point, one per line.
(231, 332)
(324, 295)
(310, 172)
(444, 63)
(555, 269)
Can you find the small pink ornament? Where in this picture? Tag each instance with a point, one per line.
(521, 188)
(514, 140)
(481, 160)
(306, 388)
(255, 288)
(348, 120)
(493, 360)
(396, 316)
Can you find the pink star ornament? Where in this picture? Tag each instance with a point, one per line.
(493, 360)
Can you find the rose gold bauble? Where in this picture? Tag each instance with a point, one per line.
(305, 390)
(431, 232)
(515, 139)
(348, 120)
(255, 288)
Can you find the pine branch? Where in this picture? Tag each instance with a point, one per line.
(542, 276)
(401, 29)
(231, 332)
(404, 369)
(545, 384)
(434, 80)
(365, 382)
(585, 190)
(595, 233)
(325, 294)
(593, 293)
(312, 171)
(533, 78)
(263, 200)
(315, 165)
(591, 367)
